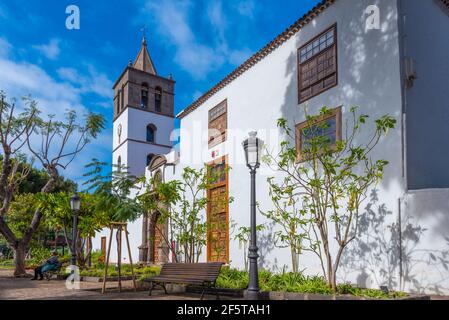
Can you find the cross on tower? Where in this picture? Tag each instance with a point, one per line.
(144, 33)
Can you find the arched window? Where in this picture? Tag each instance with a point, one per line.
(151, 133)
(119, 164)
(119, 100)
(149, 158)
(158, 98)
(144, 95)
(123, 97)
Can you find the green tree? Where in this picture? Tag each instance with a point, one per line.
(330, 182)
(114, 191)
(243, 236)
(58, 216)
(53, 143)
(182, 205)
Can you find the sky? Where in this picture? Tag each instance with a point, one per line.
(198, 42)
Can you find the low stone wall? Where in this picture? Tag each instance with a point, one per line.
(309, 296)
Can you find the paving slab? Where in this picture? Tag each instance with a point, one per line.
(24, 289)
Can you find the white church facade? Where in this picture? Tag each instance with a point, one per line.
(385, 56)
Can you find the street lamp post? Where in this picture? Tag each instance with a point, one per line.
(75, 203)
(253, 148)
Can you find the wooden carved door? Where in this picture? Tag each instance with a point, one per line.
(217, 216)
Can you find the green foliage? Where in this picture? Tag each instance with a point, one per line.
(182, 204)
(37, 178)
(324, 185)
(232, 279)
(243, 236)
(21, 213)
(296, 282)
(113, 191)
(141, 272)
(54, 144)
(38, 256)
(7, 264)
(56, 208)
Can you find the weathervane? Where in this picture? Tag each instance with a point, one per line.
(144, 33)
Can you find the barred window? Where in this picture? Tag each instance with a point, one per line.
(317, 65)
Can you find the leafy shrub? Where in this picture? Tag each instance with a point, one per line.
(38, 256)
(232, 279)
(140, 271)
(368, 293)
(295, 282)
(7, 263)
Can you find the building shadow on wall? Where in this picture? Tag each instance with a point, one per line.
(265, 242)
(383, 254)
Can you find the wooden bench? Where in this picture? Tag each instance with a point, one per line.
(201, 274)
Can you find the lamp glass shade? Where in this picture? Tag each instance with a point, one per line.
(253, 148)
(75, 202)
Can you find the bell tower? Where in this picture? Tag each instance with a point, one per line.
(143, 114)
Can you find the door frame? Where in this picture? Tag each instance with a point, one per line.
(223, 159)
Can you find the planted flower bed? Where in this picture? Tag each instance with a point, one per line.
(298, 286)
(96, 275)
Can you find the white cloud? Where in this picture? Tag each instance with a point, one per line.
(95, 81)
(237, 57)
(246, 8)
(50, 50)
(174, 20)
(55, 97)
(217, 18)
(196, 95)
(5, 47)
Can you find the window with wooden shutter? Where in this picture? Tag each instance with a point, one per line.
(317, 65)
(218, 124)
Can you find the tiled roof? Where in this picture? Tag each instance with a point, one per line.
(273, 45)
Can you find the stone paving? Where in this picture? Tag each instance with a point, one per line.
(24, 289)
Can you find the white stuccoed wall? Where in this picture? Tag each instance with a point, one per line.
(134, 123)
(369, 77)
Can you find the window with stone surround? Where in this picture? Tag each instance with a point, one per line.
(317, 65)
(158, 98)
(328, 127)
(151, 133)
(218, 124)
(144, 96)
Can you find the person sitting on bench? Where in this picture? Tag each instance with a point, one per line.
(50, 264)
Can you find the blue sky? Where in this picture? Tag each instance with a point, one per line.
(199, 42)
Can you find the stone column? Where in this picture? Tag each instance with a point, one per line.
(163, 248)
(143, 248)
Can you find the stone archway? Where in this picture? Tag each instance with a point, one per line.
(157, 247)
(154, 248)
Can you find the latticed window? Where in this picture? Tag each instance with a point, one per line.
(327, 128)
(218, 124)
(317, 68)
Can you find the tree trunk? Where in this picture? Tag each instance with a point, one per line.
(19, 261)
(295, 260)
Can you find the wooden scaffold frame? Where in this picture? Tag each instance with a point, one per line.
(120, 227)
